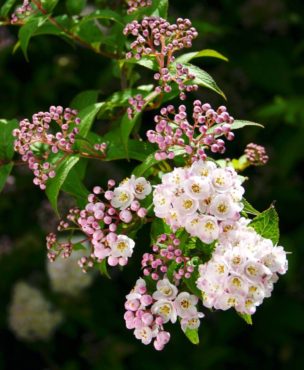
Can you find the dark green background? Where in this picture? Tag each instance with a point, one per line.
(264, 41)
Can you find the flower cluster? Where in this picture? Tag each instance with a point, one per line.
(256, 154)
(147, 313)
(174, 131)
(200, 198)
(104, 223)
(242, 270)
(157, 37)
(136, 105)
(31, 317)
(166, 250)
(65, 277)
(38, 146)
(25, 10)
(136, 4)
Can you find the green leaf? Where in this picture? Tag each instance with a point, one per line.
(247, 318)
(103, 269)
(49, 5)
(87, 116)
(192, 335)
(74, 186)
(27, 31)
(266, 224)
(191, 283)
(158, 227)
(126, 127)
(85, 98)
(143, 167)
(103, 14)
(202, 78)
(148, 62)
(54, 185)
(5, 170)
(185, 58)
(248, 208)
(74, 7)
(237, 124)
(6, 7)
(7, 139)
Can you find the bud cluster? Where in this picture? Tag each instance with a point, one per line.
(38, 146)
(256, 154)
(174, 131)
(137, 4)
(22, 11)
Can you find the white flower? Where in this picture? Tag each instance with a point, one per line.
(197, 187)
(165, 290)
(193, 224)
(191, 323)
(222, 207)
(185, 205)
(122, 247)
(203, 168)
(175, 178)
(141, 187)
(221, 179)
(122, 197)
(209, 229)
(185, 304)
(165, 309)
(144, 334)
(162, 202)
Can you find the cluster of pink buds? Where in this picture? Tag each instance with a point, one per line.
(38, 146)
(166, 251)
(104, 223)
(156, 36)
(136, 4)
(147, 313)
(174, 131)
(136, 105)
(256, 154)
(22, 11)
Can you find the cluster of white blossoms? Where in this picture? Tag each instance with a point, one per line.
(65, 277)
(30, 315)
(199, 198)
(242, 270)
(147, 313)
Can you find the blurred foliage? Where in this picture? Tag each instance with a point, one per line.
(263, 82)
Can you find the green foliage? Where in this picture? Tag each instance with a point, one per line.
(7, 138)
(75, 6)
(209, 53)
(192, 335)
(267, 224)
(247, 318)
(6, 7)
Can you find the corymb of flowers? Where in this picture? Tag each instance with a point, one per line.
(210, 248)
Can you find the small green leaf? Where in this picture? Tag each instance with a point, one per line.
(54, 185)
(247, 318)
(6, 7)
(185, 58)
(87, 116)
(237, 124)
(74, 186)
(148, 62)
(192, 335)
(7, 139)
(202, 78)
(103, 269)
(85, 98)
(266, 224)
(191, 283)
(248, 208)
(27, 31)
(5, 170)
(147, 163)
(103, 14)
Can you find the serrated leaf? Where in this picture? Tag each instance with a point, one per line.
(248, 208)
(5, 170)
(266, 224)
(247, 318)
(202, 78)
(237, 124)
(87, 116)
(54, 185)
(7, 139)
(185, 58)
(85, 98)
(27, 31)
(192, 335)
(6, 7)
